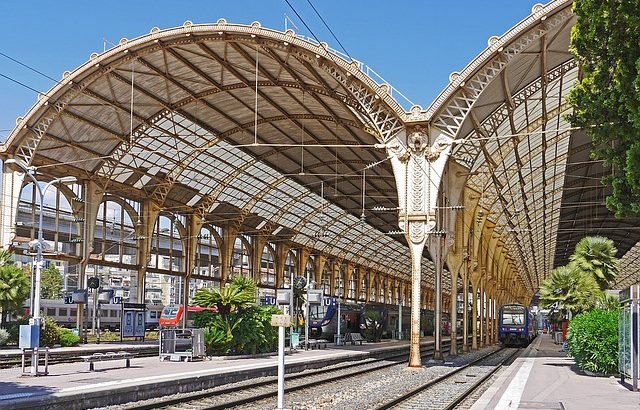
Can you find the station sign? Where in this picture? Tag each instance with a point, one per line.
(68, 300)
(269, 300)
(329, 302)
(280, 320)
(117, 300)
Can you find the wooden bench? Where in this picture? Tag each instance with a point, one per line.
(353, 338)
(103, 357)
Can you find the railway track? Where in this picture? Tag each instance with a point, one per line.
(252, 391)
(450, 389)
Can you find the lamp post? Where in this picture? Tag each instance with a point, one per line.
(35, 309)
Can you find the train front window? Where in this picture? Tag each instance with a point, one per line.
(513, 319)
(317, 312)
(170, 312)
(513, 315)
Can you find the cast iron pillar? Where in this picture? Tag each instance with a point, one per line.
(418, 156)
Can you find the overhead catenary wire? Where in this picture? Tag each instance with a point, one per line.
(328, 28)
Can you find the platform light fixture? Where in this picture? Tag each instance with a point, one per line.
(39, 244)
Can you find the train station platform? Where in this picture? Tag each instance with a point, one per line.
(544, 377)
(88, 348)
(73, 386)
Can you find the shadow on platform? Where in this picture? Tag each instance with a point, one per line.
(12, 390)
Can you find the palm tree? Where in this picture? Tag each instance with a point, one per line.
(237, 294)
(14, 285)
(569, 288)
(596, 256)
(6, 257)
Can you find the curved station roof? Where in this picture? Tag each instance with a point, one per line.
(243, 123)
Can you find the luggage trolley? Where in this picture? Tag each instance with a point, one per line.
(177, 345)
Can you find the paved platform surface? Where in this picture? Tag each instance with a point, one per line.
(69, 380)
(545, 378)
(89, 347)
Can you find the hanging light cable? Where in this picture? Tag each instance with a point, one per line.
(302, 141)
(255, 106)
(133, 73)
(364, 173)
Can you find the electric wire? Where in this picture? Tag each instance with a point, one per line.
(328, 28)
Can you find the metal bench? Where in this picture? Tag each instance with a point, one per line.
(353, 338)
(103, 357)
(315, 343)
(318, 343)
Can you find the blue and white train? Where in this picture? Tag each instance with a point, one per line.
(516, 325)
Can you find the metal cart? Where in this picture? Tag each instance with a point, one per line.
(177, 345)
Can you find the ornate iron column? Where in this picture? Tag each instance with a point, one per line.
(418, 156)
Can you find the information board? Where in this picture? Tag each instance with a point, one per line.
(133, 320)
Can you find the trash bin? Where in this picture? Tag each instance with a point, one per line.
(295, 340)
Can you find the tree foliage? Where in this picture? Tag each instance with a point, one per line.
(50, 283)
(239, 327)
(606, 101)
(14, 285)
(569, 289)
(239, 293)
(596, 256)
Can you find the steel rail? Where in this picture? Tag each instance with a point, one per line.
(412, 393)
(195, 398)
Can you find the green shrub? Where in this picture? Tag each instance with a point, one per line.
(203, 319)
(50, 335)
(68, 338)
(374, 321)
(4, 337)
(151, 334)
(108, 336)
(253, 333)
(592, 340)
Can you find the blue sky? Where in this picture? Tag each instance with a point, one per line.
(413, 44)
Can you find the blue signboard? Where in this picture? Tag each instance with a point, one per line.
(270, 300)
(329, 302)
(68, 300)
(117, 300)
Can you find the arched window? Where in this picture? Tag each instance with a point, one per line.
(374, 288)
(267, 268)
(289, 268)
(60, 229)
(208, 255)
(116, 242)
(353, 279)
(309, 270)
(166, 246)
(364, 284)
(241, 259)
(339, 282)
(115, 235)
(325, 280)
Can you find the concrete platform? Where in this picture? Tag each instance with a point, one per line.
(6, 354)
(545, 378)
(73, 386)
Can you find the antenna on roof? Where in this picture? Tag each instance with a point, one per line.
(287, 18)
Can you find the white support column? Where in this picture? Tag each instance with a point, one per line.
(11, 188)
(92, 198)
(416, 274)
(435, 249)
(418, 157)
